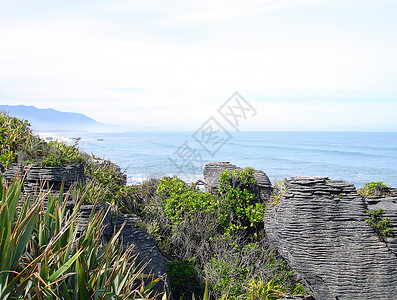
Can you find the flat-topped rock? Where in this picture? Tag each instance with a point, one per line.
(319, 228)
(213, 170)
(36, 176)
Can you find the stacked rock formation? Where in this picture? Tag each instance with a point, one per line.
(213, 170)
(319, 227)
(144, 247)
(52, 177)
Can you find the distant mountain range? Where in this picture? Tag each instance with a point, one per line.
(50, 119)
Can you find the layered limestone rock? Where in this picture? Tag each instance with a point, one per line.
(213, 170)
(319, 227)
(144, 247)
(52, 177)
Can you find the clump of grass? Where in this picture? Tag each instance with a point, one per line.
(278, 191)
(260, 289)
(377, 188)
(381, 225)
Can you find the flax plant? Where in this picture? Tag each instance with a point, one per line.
(44, 254)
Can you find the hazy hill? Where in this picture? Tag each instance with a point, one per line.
(51, 119)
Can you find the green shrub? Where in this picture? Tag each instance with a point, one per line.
(180, 200)
(13, 135)
(236, 208)
(184, 279)
(381, 225)
(227, 275)
(377, 188)
(260, 289)
(217, 233)
(19, 145)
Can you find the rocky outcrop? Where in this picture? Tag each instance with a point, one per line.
(52, 177)
(213, 170)
(319, 228)
(144, 247)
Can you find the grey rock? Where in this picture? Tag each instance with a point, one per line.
(144, 247)
(52, 177)
(213, 170)
(325, 239)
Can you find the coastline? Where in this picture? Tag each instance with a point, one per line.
(357, 157)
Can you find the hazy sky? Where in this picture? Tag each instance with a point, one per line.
(302, 64)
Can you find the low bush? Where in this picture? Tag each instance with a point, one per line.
(14, 134)
(236, 206)
(381, 225)
(259, 289)
(377, 188)
(180, 200)
(184, 279)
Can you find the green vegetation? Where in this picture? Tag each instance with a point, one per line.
(19, 145)
(377, 188)
(184, 278)
(278, 191)
(220, 236)
(214, 243)
(41, 255)
(14, 134)
(381, 225)
(237, 209)
(257, 289)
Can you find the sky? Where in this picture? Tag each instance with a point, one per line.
(169, 65)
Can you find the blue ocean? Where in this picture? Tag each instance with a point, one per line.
(357, 157)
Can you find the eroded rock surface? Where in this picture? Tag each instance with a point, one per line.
(145, 248)
(36, 177)
(319, 228)
(213, 170)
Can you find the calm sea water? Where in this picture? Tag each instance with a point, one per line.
(357, 157)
